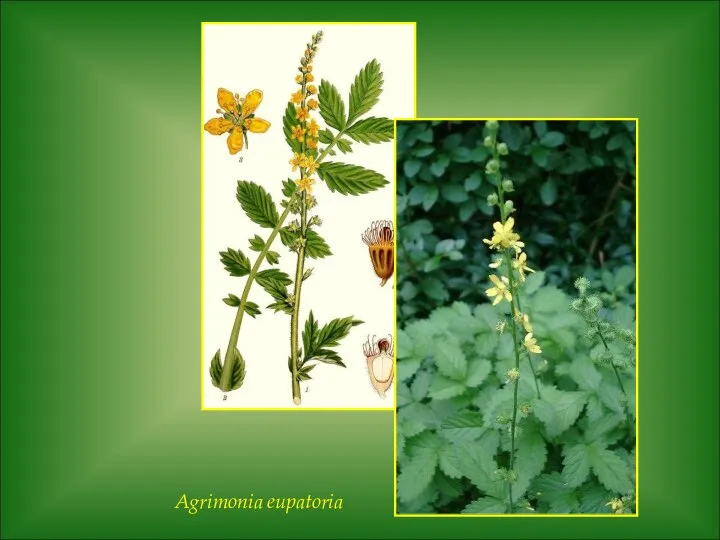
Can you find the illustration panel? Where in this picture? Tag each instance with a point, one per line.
(298, 306)
(516, 342)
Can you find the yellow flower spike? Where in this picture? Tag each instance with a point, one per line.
(305, 184)
(301, 113)
(531, 344)
(297, 97)
(523, 319)
(500, 290)
(520, 265)
(310, 164)
(298, 132)
(313, 104)
(313, 128)
(297, 161)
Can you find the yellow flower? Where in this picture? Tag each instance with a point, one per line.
(523, 319)
(310, 164)
(297, 161)
(297, 97)
(520, 266)
(617, 505)
(238, 118)
(311, 89)
(531, 344)
(500, 289)
(305, 184)
(298, 79)
(311, 143)
(301, 113)
(313, 128)
(298, 132)
(309, 77)
(313, 104)
(504, 236)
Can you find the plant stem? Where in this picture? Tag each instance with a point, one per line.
(622, 388)
(299, 269)
(227, 370)
(513, 313)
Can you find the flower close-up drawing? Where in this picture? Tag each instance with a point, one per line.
(237, 118)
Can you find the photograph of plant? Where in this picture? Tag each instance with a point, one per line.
(516, 370)
(316, 125)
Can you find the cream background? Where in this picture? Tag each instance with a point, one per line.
(244, 57)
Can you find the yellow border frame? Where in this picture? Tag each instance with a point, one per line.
(637, 335)
(202, 215)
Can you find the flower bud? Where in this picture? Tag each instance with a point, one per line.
(582, 284)
(594, 303)
(502, 149)
(492, 166)
(492, 125)
(509, 206)
(488, 142)
(578, 304)
(507, 185)
(513, 375)
(605, 357)
(492, 199)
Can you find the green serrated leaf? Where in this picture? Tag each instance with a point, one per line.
(365, 91)
(216, 369)
(610, 469)
(554, 493)
(257, 204)
(463, 426)
(477, 372)
(417, 473)
(257, 243)
(273, 274)
(289, 187)
(315, 245)
(450, 360)
(444, 388)
(344, 145)
(372, 130)
(289, 121)
(326, 136)
(272, 257)
(238, 375)
(235, 261)
(232, 300)
(332, 108)
(486, 505)
(252, 309)
(531, 454)
(576, 465)
(350, 179)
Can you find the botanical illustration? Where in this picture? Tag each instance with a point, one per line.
(316, 124)
(381, 246)
(523, 403)
(381, 367)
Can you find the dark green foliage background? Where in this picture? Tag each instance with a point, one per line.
(574, 191)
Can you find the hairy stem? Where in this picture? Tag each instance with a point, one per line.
(620, 384)
(527, 353)
(227, 369)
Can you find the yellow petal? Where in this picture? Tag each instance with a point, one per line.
(491, 292)
(252, 100)
(235, 141)
(218, 126)
(509, 223)
(226, 100)
(497, 226)
(257, 125)
(498, 299)
(495, 280)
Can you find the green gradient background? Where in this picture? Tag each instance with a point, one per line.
(101, 423)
